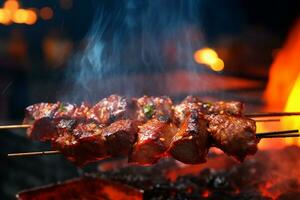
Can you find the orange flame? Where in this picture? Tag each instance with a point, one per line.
(283, 89)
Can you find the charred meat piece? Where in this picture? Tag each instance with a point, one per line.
(109, 109)
(120, 137)
(40, 110)
(153, 107)
(154, 138)
(190, 144)
(194, 103)
(234, 135)
(84, 144)
(81, 111)
(40, 116)
(64, 110)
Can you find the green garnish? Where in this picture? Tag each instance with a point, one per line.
(62, 108)
(148, 110)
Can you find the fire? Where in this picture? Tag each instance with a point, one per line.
(283, 89)
(293, 105)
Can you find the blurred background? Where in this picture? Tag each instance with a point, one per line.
(85, 50)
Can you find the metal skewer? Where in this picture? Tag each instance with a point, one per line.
(271, 114)
(274, 134)
(16, 126)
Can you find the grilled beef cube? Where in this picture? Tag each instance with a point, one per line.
(234, 135)
(154, 138)
(39, 115)
(109, 109)
(120, 137)
(81, 111)
(64, 110)
(190, 144)
(84, 144)
(153, 107)
(40, 110)
(194, 103)
(221, 107)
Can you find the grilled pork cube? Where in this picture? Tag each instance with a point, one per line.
(153, 107)
(190, 144)
(109, 109)
(120, 137)
(234, 135)
(84, 144)
(154, 138)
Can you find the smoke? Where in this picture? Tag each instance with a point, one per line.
(131, 47)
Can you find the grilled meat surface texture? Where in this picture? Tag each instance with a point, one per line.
(144, 129)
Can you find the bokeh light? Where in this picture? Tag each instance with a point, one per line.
(20, 16)
(32, 17)
(4, 16)
(11, 5)
(208, 56)
(46, 13)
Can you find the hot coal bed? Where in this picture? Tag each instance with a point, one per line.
(270, 174)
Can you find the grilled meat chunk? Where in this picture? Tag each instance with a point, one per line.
(194, 103)
(40, 115)
(109, 109)
(234, 135)
(120, 137)
(154, 138)
(84, 144)
(190, 145)
(153, 107)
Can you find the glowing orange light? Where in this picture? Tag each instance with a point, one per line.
(209, 57)
(11, 5)
(218, 65)
(32, 17)
(205, 56)
(4, 16)
(20, 16)
(46, 13)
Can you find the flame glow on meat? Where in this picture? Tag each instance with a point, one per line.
(144, 129)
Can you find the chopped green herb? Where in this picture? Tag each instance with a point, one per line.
(148, 110)
(62, 108)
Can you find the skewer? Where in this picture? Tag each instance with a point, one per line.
(274, 134)
(271, 114)
(277, 133)
(267, 120)
(15, 126)
(34, 153)
(280, 136)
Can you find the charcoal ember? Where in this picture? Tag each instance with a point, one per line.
(248, 175)
(217, 180)
(83, 188)
(289, 196)
(251, 196)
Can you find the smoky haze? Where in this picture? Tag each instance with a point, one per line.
(131, 48)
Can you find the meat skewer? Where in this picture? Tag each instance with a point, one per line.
(144, 129)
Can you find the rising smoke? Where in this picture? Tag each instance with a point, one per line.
(137, 39)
